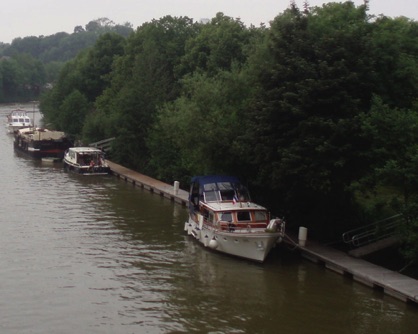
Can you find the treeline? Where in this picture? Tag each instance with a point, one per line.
(317, 113)
(29, 64)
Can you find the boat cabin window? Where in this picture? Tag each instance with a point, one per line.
(208, 215)
(211, 192)
(225, 216)
(220, 191)
(217, 191)
(211, 196)
(260, 215)
(243, 216)
(226, 190)
(211, 218)
(227, 195)
(242, 193)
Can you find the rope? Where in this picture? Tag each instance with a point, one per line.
(291, 241)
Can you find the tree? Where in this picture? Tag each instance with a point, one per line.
(395, 45)
(12, 79)
(73, 111)
(303, 129)
(143, 79)
(199, 132)
(219, 45)
(69, 80)
(96, 70)
(393, 136)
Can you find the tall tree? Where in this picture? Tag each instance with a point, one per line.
(394, 154)
(98, 65)
(395, 45)
(219, 45)
(304, 136)
(143, 79)
(12, 79)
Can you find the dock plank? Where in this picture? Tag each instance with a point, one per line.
(149, 183)
(392, 283)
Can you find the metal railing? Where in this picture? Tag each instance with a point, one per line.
(104, 144)
(373, 232)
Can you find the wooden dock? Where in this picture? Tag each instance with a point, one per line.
(391, 283)
(155, 186)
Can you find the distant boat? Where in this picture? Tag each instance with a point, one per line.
(223, 218)
(86, 161)
(41, 143)
(18, 119)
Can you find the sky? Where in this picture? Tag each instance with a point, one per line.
(23, 18)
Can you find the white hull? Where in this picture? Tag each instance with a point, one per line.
(252, 244)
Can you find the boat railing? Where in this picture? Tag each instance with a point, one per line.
(227, 226)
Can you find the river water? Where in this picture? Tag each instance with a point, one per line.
(83, 254)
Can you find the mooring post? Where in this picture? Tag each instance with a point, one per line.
(176, 187)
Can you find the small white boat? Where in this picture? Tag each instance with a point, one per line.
(86, 161)
(18, 119)
(222, 217)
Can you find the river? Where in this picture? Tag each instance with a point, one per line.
(83, 254)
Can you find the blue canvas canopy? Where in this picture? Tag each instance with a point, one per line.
(217, 188)
(202, 180)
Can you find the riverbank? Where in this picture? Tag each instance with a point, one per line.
(377, 277)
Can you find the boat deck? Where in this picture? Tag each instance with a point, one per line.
(391, 283)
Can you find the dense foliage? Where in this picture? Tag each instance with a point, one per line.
(29, 64)
(313, 112)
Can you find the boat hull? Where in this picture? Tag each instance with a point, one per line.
(253, 244)
(86, 161)
(86, 170)
(39, 150)
(41, 143)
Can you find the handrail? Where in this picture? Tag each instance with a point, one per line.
(372, 232)
(103, 144)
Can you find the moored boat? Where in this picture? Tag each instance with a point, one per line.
(18, 119)
(41, 143)
(86, 161)
(222, 217)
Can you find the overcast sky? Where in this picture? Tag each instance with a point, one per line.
(22, 18)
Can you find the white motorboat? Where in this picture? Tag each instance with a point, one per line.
(86, 161)
(18, 119)
(222, 217)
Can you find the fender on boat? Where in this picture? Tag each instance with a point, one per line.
(213, 244)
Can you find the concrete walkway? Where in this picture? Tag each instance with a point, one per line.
(390, 282)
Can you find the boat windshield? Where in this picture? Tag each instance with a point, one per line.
(225, 191)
